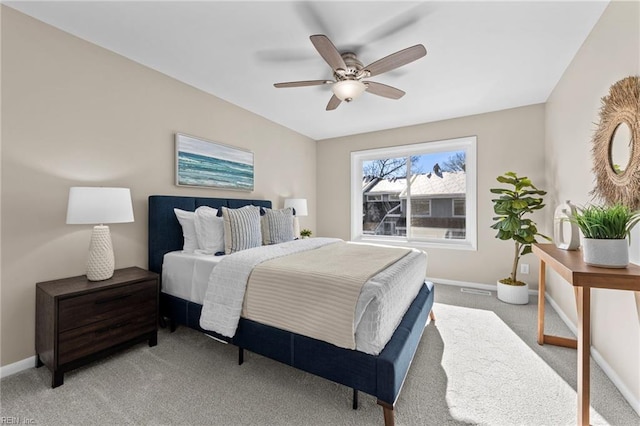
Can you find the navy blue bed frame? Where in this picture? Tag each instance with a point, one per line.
(381, 376)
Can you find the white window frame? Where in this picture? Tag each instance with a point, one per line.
(467, 144)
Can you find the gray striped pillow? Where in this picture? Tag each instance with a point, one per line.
(241, 228)
(277, 226)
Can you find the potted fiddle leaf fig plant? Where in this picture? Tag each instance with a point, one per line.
(516, 202)
(605, 230)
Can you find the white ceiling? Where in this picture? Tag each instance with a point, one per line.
(481, 56)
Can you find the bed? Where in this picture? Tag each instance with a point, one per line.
(381, 375)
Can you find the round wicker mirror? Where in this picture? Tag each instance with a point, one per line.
(616, 145)
(620, 148)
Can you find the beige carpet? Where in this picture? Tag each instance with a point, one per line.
(479, 365)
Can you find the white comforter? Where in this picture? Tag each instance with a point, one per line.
(382, 303)
(223, 301)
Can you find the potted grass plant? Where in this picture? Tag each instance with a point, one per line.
(516, 202)
(605, 230)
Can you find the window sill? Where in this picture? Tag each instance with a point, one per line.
(418, 244)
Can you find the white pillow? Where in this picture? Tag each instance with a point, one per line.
(187, 221)
(209, 230)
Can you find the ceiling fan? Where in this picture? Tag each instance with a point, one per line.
(349, 72)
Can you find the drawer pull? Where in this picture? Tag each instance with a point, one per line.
(112, 299)
(113, 327)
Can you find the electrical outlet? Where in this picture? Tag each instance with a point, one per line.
(524, 268)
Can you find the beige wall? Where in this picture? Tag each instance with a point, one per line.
(510, 140)
(76, 114)
(610, 53)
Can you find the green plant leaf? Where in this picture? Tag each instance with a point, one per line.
(503, 179)
(606, 222)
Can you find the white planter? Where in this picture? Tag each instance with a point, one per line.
(515, 294)
(605, 253)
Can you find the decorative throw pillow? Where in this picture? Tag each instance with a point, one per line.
(209, 230)
(187, 221)
(241, 228)
(277, 226)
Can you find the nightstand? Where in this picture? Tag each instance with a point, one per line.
(79, 321)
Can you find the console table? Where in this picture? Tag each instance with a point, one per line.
(569, 265)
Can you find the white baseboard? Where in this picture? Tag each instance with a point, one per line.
(17, 367)
(599, 359)
(611, 374)
(489, 287)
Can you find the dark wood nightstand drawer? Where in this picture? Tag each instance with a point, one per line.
(82, 310)
(79, 321)
(82, 341)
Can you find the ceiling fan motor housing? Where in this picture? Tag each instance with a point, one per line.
(355, 68)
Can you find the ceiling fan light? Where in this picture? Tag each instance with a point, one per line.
(348, 90)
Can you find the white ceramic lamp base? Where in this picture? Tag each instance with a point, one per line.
(296, 227)
(100, 264)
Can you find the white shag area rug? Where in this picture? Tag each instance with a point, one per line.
(489, 367)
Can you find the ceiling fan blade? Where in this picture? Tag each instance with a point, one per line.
(396, 60)
(328, 51)
(303, 83)
(333, 103)
(383, 90)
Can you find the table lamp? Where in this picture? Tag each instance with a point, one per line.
(98, 205)
(300, 207)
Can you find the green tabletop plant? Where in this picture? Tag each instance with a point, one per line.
(605, 230)
(612, 222)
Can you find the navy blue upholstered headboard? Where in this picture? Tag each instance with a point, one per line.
(165, 232)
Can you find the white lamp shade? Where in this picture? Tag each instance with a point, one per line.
(94, 205)
(299, 204)
(347, 90)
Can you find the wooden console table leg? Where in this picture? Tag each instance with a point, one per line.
(542, 279)
(584, 344)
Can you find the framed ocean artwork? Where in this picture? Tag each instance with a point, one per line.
(210, 164)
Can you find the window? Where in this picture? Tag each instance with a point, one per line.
(421, 207)
(458, 207)
(430, 194)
